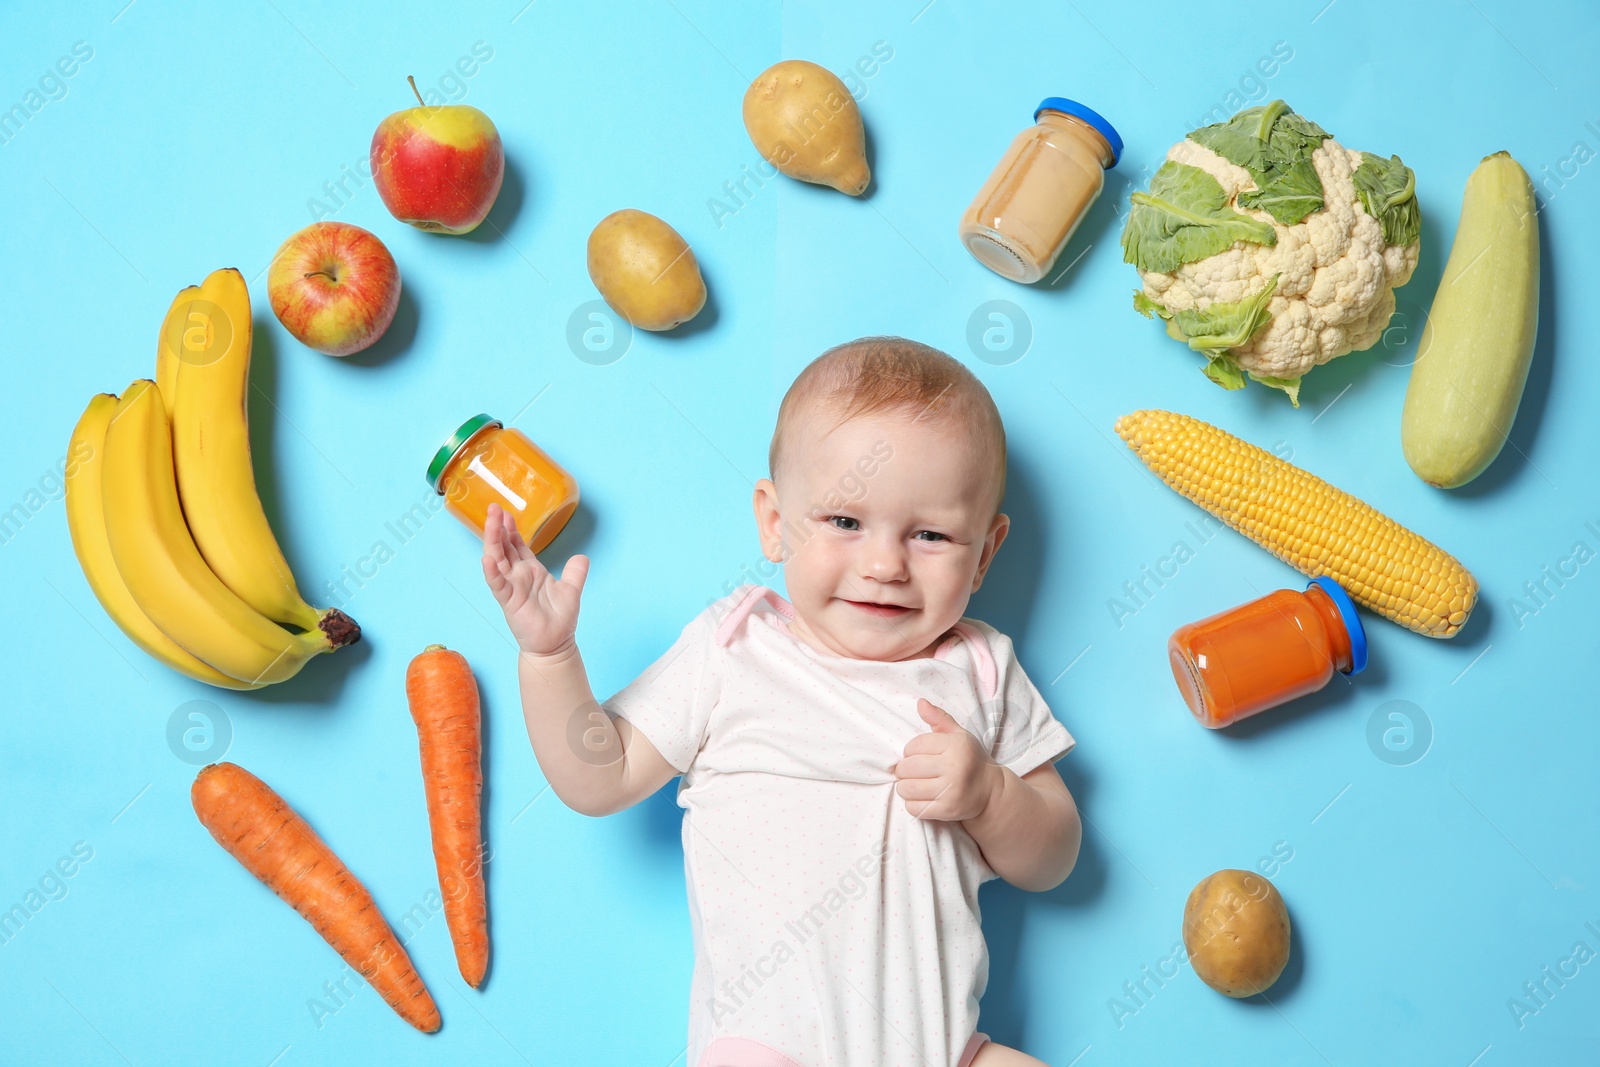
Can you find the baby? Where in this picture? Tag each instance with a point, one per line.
(855, 761)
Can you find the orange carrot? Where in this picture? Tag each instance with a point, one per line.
(444, 704)
(276, 845)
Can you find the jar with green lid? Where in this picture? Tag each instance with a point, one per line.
(485, 462)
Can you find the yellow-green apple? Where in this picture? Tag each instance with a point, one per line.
(438, 168)
(334, 286)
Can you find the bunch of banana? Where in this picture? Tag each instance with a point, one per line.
(164, 514)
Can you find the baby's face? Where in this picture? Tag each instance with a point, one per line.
(885, 526)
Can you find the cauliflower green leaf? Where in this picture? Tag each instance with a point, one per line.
(1214, 329)
(1274, 144)
(1183, 218)
(1221, 369)
(1294, 135)
(1145, 306)
(1289, 195)
(1387, 188)
(1288, 385)
(1243, 139)
(1218, 327)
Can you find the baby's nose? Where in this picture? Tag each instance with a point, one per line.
(883, 559)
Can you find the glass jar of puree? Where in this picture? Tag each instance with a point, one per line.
(485, 463)
(1267, 652)
(1039, 192)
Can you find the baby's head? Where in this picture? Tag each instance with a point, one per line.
(888, 469)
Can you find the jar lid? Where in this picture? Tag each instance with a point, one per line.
(448, 450)
(1352, 621)
(1089, 115)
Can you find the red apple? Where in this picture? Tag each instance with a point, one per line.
(438, 168)
(334, 286)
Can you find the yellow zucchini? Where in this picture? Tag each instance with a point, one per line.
(1472, 361)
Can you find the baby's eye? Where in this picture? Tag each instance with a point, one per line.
(930, 535)
(844, 522)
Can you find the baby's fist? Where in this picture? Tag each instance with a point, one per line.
(945, 774)
(541, 610)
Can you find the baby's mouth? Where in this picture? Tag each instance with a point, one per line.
(881, 610)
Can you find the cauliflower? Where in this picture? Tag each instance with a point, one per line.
(1271, 248)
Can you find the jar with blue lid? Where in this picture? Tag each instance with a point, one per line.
(1267, 652)
(1039, 192)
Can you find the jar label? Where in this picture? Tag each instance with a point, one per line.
(477, 467)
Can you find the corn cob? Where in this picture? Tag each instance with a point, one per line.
(1309, 524)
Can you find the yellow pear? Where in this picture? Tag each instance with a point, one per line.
(804, 121)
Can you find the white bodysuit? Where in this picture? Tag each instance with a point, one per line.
(831, 927)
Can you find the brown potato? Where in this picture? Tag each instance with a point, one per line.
(645, 270)
(803, 121)
(1236, 931)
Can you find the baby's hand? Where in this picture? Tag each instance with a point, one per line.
(946, 774)
(541, 610)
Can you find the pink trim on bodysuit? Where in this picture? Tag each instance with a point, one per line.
(982, 657)
(970, 1053)
(742, 609)
(743, 1052)
(980, 654)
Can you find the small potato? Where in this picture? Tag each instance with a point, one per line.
(803, 121)
(1236, 931)
(645, 270)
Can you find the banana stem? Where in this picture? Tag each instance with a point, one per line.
(340, 628)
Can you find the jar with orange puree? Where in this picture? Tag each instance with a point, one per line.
(486, 463)
(1267, 652)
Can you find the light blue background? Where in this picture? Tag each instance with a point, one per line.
(1423, 896)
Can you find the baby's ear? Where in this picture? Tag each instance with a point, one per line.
(769, 524)
(997, 534)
